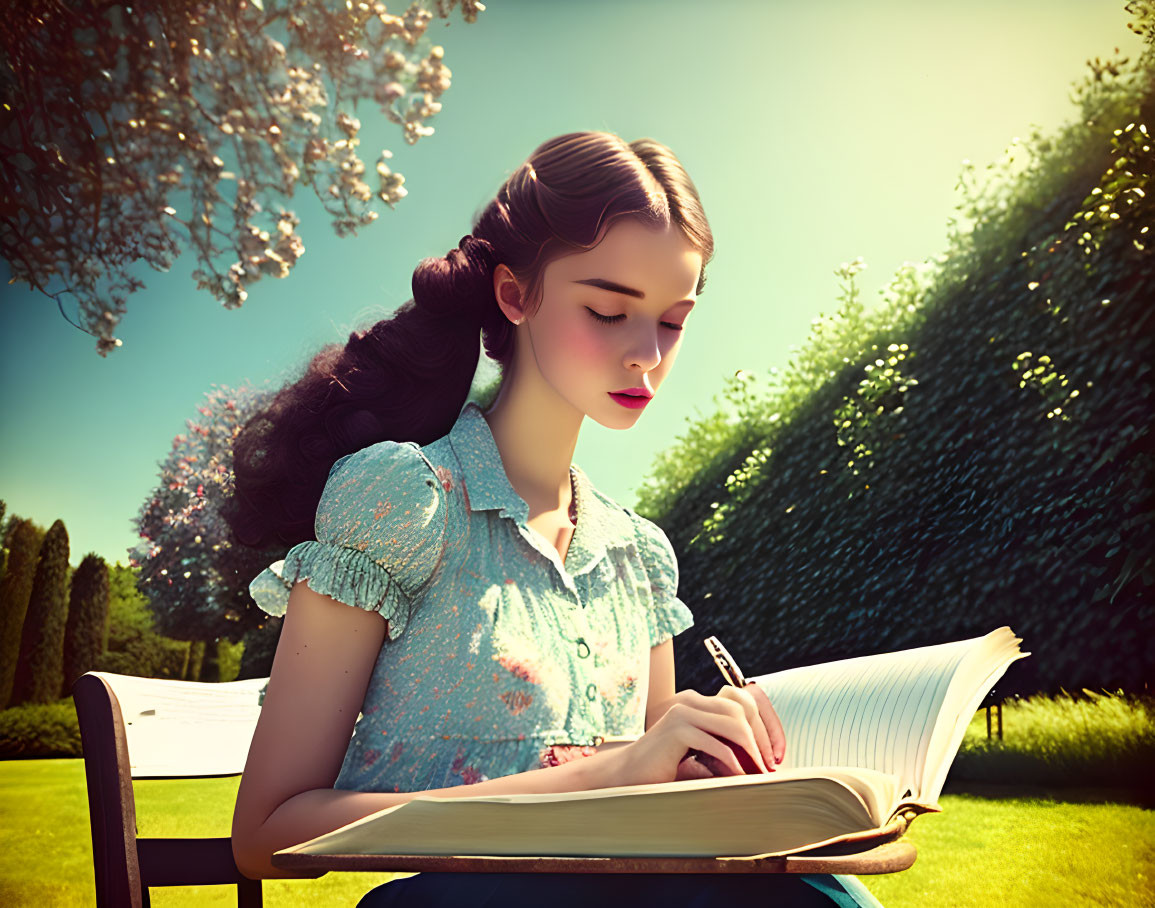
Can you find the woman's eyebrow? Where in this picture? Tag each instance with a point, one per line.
(615, 287)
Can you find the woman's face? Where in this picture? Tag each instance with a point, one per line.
(612, 318)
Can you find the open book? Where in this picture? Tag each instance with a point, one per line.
(869, 742)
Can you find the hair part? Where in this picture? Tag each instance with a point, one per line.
(407, 377)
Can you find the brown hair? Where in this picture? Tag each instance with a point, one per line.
(406, 377)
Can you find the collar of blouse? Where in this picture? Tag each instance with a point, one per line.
(602, 524)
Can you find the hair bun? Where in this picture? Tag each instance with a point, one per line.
(471, 267)
(473, 254)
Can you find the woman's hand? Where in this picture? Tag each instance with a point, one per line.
(715, 729)
(762, 718)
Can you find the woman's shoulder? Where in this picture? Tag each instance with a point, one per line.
(399, 472)
(629, 526)
(669, 615)
(387, 488)
(381, 529)
(393, 459)
(666, 614)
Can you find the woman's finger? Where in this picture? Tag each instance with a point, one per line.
(744, 698)
(732, 724)
(770, 719)
(725, 723)
(711, 747)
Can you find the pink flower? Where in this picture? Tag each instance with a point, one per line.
(522, 670)
(471, 775)
(556, 754)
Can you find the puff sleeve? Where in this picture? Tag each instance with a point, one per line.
(380, 527)
(669, 615)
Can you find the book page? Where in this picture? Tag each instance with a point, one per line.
(876, 712)
(979, 673)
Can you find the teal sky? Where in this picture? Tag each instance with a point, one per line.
(815, 133)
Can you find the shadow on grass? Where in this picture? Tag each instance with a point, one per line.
(1090, 794)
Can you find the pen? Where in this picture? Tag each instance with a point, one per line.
(734, 677)
(725, 662)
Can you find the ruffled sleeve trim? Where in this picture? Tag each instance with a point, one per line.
(346, 574)
(668, 615)
(668, 619)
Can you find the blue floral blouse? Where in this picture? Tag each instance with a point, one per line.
(498, 658)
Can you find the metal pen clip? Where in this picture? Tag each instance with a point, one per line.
(725, 662)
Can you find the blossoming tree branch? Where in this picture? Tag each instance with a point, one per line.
(133, 129)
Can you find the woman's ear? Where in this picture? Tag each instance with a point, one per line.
(510, 294)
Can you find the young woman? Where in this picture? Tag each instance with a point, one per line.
(500, 624)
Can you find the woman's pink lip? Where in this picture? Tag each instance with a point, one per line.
(634, 403)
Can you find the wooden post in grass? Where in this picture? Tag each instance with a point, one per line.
(998, 708)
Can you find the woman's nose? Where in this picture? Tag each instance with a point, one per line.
(644, 350)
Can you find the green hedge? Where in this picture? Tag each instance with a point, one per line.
(978, 451)
(40, 730)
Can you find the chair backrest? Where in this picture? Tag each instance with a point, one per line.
(137, 728)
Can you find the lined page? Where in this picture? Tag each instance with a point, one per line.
(871, 711)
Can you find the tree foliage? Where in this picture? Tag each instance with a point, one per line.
(40, 667)
(23, 543)
(134, 647)
(86, 632)
(130, 129)
(194, 575)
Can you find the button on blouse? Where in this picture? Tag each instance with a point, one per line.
(498, 657)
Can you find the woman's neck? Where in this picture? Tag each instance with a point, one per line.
(536, 443)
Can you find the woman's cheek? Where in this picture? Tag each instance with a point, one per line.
(574, 348)
(588, 344)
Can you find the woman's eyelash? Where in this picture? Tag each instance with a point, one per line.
(604, 318)
(610, 319)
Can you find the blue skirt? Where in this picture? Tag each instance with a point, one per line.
(581, 890)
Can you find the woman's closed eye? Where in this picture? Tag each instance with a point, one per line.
(611, 319)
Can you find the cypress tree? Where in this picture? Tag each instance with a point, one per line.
(39, 670)
(88, 609)
(23, 543)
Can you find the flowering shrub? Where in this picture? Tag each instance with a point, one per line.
(194, 575)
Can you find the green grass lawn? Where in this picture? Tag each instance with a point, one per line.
(980, 851)
(46, 845)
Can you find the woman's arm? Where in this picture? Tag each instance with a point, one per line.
(321, 670)
(661, 692)
(321, 810)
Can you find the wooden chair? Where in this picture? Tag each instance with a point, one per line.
(149, 728)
